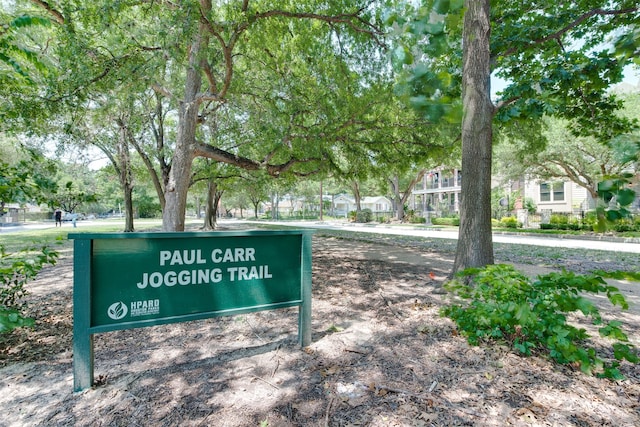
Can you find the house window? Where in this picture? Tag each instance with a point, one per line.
(432, 180)
(552, 192)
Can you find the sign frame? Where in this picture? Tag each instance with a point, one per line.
(86, 285)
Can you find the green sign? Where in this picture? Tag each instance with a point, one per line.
(129, 280)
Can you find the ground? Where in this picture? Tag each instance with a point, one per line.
(381, 356)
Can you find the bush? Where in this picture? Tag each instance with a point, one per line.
(623, 225)
(418, 220)
(16, 269)
(454, 221)
(497, 303)
(559, 221)
(413, 218)
(510, 222)
(363, 216)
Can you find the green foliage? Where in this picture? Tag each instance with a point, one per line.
(25, 180)
(431, 86)
(13, 54)
(619, 275)
(510, 222)
(70, 196)
(16, 269)
(616, 197)
(452, 221)
(412, 218)
(364, 215)
(499, 304)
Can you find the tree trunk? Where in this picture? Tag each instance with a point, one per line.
(175, 192)
(475, 243)
(211, 210)
(356, 195)
(398, 205)
(321, 201)
(275, 205)
(126, 178)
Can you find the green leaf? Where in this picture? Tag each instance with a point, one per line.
(625, 197)
(441, 6)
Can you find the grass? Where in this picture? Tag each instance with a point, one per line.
(579, 260)
(14, 240)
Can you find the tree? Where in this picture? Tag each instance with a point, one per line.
(26, 180)
(218, 52)
(552, 56)
(21, 65)
(401, 195)
(70, 196)
(579, 159)
(257, 194)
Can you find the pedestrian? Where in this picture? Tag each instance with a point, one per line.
(58, 217)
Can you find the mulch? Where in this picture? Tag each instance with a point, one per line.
(381, 356)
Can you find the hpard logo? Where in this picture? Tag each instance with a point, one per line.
(117, 310)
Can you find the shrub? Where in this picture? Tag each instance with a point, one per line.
(418, 220)
(510, 222)
(16, 269)
(497, 303)
(559, 221)
(365, 215)
(455, 221)
(622, 225)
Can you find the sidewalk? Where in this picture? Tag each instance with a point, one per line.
(604, 243)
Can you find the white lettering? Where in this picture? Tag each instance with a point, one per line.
(203, 277)
(215, 255)
(184, 257)
(164, 256)
(184, 278)
(237, 274)
(170, 278)
(155, 280)
(233, 255)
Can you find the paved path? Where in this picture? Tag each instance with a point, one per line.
(605, 244)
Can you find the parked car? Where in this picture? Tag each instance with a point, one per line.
(69, 216)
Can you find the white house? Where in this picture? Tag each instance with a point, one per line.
(343, 204)
(558, 196)
(376, 204)
(438, 191)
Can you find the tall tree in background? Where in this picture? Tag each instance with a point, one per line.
(554, 58)
(212, 54)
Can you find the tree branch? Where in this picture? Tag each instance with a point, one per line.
(345, 18)
(56, 15)
(214, 153)
(579, 20)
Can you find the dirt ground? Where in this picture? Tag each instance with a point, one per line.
(381, 356)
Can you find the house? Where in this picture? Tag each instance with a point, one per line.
(342, 204)
(558, 196)
(377, 204)
(439, 191)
